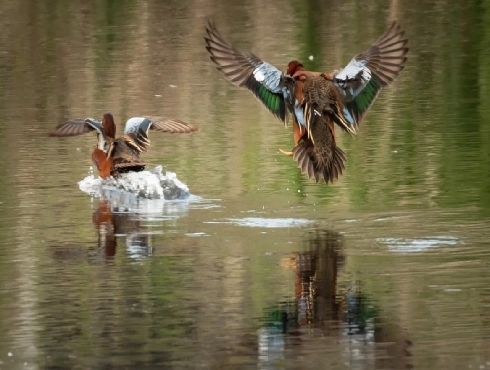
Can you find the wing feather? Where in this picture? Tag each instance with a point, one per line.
(157, 123)
(77, 127)
(268, 84)
(362, 79)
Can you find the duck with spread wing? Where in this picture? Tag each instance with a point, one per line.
(113, 156)
(317, 101)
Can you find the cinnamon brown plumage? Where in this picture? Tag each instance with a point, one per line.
(316, 100)
(112, 155)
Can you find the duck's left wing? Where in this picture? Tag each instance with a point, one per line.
(269, 85)
(157, 123)
(137, 129)
(362, 79)
(171, 126)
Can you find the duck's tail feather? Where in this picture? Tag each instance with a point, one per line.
(317, 165)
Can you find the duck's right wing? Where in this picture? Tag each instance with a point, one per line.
(269, 85)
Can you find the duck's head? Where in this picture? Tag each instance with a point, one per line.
(294, 66)
(109, 125)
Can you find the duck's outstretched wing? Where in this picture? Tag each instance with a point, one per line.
(162, 124)
(137, 130)
(362, 79)
(269, 85)
(77, 127)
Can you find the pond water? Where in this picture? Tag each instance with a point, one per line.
(259, 267)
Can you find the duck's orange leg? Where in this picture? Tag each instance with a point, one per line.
(298, 133)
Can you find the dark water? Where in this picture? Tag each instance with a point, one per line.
(388, 268)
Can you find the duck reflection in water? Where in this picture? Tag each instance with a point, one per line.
(330, 310)
(111, 224)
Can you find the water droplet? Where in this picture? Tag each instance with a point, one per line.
(10, 354)
(311, 57)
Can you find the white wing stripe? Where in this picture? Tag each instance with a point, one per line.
(132, 124)
(269, 76)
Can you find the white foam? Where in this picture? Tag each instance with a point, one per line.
(145, 184)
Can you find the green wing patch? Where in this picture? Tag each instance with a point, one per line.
(274, 102)
(361, 103)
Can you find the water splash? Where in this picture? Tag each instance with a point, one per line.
(151, 184)
(401, 245)
(264, 222)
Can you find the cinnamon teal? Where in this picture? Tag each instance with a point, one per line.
(316, 100)
(112, 155)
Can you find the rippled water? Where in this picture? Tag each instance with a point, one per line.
(256, 267)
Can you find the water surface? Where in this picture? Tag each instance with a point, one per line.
(261, 268)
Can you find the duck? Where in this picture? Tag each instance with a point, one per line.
(317, 101)
(113, 156)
